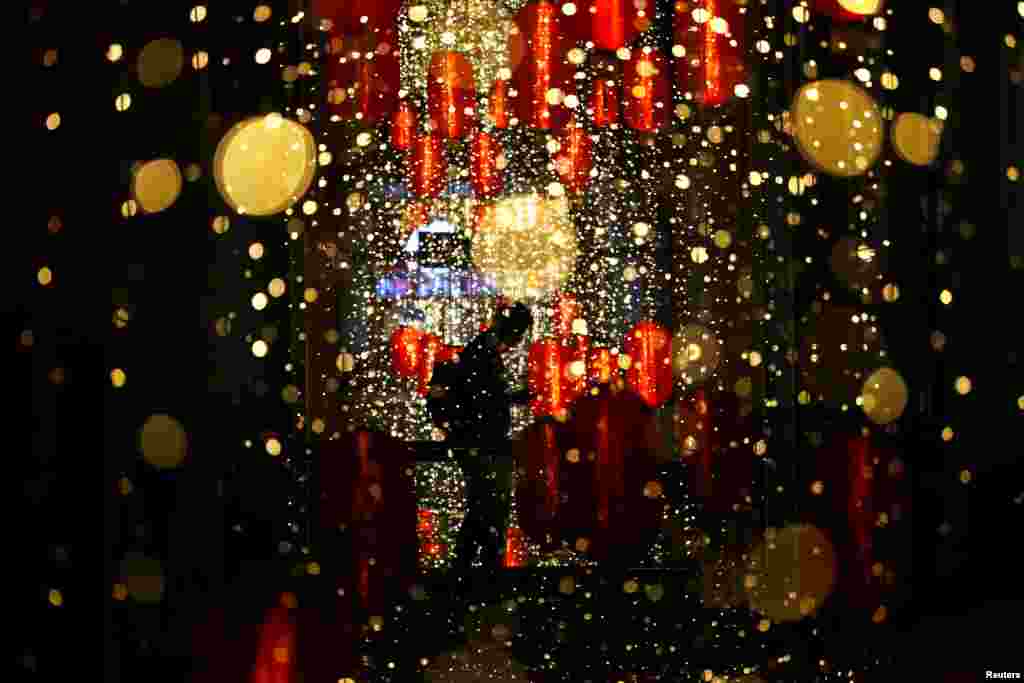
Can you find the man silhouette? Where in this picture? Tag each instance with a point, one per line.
(478, 431)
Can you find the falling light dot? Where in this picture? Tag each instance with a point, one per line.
(276, 287)
(263, 55)
(118, 378)
(259, 348)
(115, 52)
(963, 385)
(273, 447)
(259, 301)
(947, 434)
(197, 14)
(946, 297)
(53, 121)
(55, 598)
(256, 251)
(200, 60)
(261, 13)
(1013, 174)
(44, 276)
(220, 224)
(122, 102)
(936, 15)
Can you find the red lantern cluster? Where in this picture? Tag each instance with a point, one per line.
(414, 353)
(649, 346)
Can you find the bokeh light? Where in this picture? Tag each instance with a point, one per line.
(156, 185)
(916, 138)
(837, 127)
(163, 442)
(884, 396)
(265, 164)
(160, 62)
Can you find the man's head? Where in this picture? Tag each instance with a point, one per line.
(512, 324)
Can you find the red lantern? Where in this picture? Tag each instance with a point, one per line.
(538, 51)
(574, 159)
(498, 104)
(362, 76)
(275, 655)
(431, 348)
(427, 166)
(352, 16)
(603, 365)
(614, 23)
(515, 548)
(403, 126)
(604, 94)
(451, 92)
(646, 90)
(484, 173)
(649, 346)
(623, 509)
(712, 64)
(405, 351)
(546, 380)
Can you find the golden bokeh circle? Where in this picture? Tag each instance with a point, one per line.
(160, 62)
(696, 353)
(884, 396)
(792, 572)
(837, 127)
(156, 185)
(916, 138)
(265, 164)
(528, 244)
(163, 442)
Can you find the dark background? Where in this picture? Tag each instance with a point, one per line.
(176, 279)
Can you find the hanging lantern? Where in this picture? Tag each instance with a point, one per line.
(709, 50)
(604, 93)
(352, 16)
(623, 507)
(574, 158)
(431, 348)
(515, 548)
(362, 77)
(405, 350)
(537, 487)
(646, 90)
(275, 655)
(649, 346)
(451, 94)
(498, 104)
(403, 126)
(614, 23)
(484, 174)
(546, 380)
(427, 166)
(542, 76)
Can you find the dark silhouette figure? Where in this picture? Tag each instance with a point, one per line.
(477, 423)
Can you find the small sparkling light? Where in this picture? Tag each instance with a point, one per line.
(699, 254)
(260, 348)
(44, 276)
(418, 13)
(276, 287)
(569, 9)
(936, 15)
(53, 121)
(965, 476)
(801, 14)
(122, 102)
(256, 251)
(263, 55)
(742, 90)
(197, 14)
(947, 434)
(220, 224)
(55, 598)
(115, 52)
(200, 60)
(946, 297)
(963, 385)
(967, 64)
(259, 301)
(309, 207)
(935, 73)
(261, 13)
(1013, 174)
(273, 447)
(118, 377)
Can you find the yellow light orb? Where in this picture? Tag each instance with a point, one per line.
(793, 572)
(916, 138)
(53, 121)
(156, 185)
(265, 164)
(118, 378)
(260, 348)
(884, 396)
(160, 62)
(837, 126)
(865, 7)
(276, 287)
(122, 102)
(528, 244)
(163, 442)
